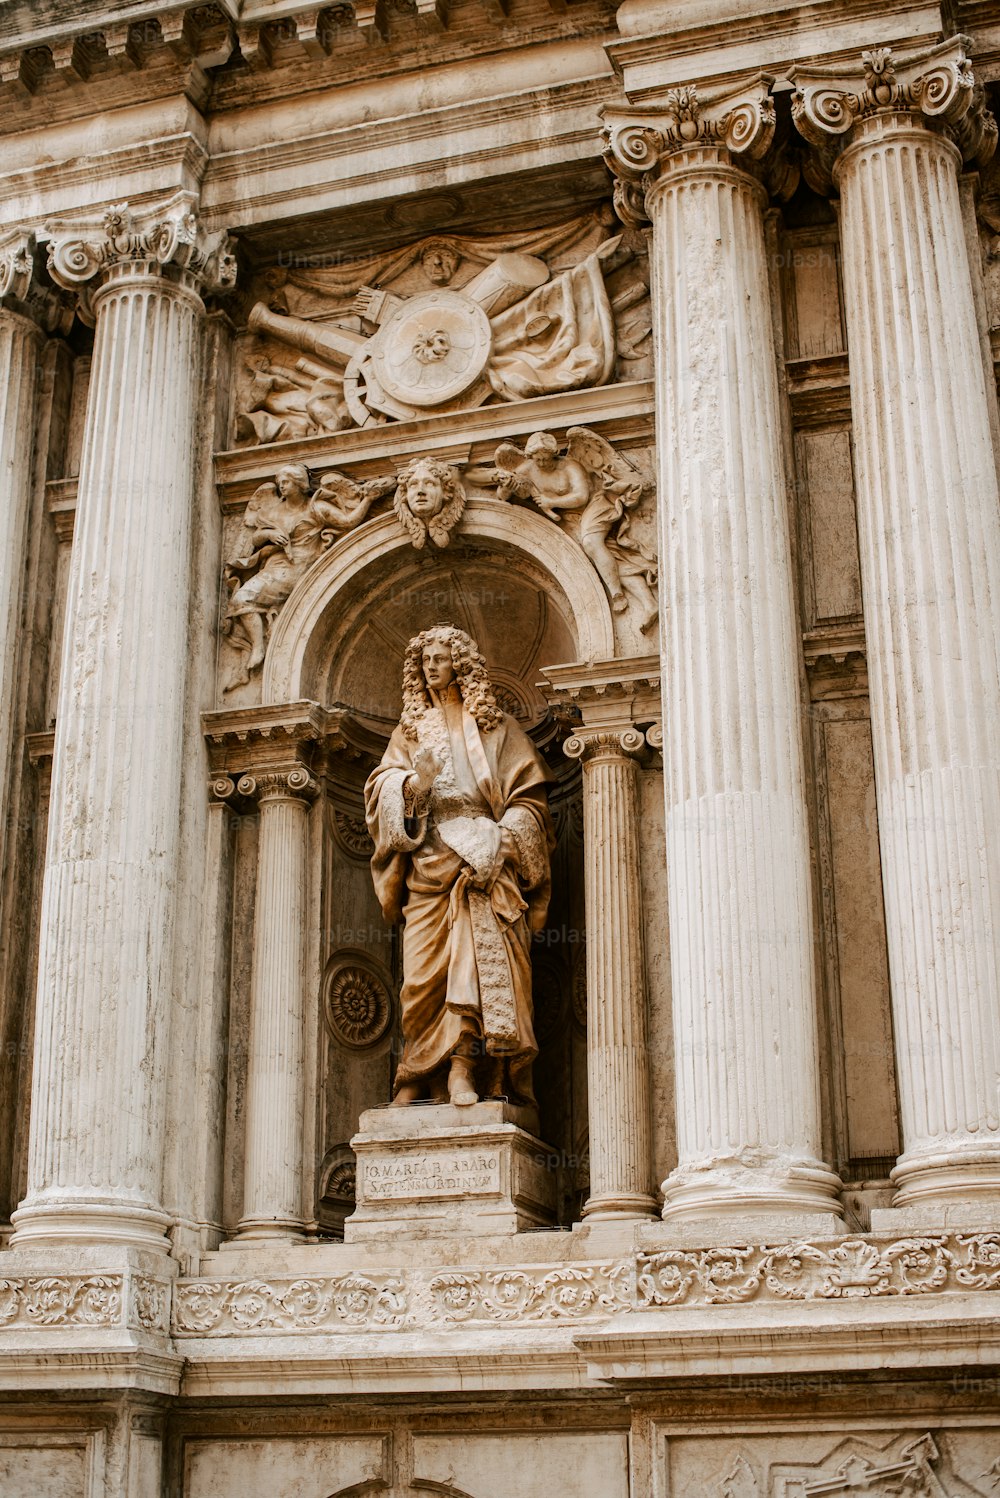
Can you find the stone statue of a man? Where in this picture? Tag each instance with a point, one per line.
(459, 816)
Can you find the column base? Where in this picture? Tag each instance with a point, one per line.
(938, 1183)
(266, 1230)
(729, 1186)
(55, 1220)
(619, 1206)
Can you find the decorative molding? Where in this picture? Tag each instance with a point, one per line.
(20, 290)
(62, 1300)
(572, 1292)
(845, 1269)
(610, 696)
(351, 834)
(94, 1301)
(318, 1303)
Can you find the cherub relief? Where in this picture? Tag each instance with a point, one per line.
(288, 525)
(593, 481)
(429, 501)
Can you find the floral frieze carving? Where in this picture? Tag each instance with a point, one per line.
(574, 1292)
(350, 1301)
(62, 1300)
(853, 1268)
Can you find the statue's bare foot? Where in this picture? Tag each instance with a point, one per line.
(460, 1088)
(238, 679)
(649, 622)
(409, 1092)
(619, 603)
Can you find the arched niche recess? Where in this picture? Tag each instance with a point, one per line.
(531, 598)
(374, 586)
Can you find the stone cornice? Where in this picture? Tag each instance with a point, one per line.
(608, 696)
(935, 88)
(256, 752)
(657, 51)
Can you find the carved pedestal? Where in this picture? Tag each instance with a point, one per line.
(440, 1170)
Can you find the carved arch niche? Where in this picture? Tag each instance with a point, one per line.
(344, 645)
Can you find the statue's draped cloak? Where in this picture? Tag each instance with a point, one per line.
(469, 915)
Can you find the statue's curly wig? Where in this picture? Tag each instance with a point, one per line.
(439, 527)
(470, 673)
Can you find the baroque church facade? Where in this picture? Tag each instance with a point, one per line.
(645, 356)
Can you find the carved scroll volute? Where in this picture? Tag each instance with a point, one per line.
(141, 240)
(640, 144)
(937, 87)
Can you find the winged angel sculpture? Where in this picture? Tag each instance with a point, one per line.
(286, 526)
(601, 487)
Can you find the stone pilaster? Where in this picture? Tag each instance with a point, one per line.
(104, 986)
(741, 935)
(617, 1063)
(894, 134)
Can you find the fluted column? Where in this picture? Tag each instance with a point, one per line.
(617, 1062)
(20, 346)
(104, 984)
(738, 872)
(272, 1198)
(929, 531)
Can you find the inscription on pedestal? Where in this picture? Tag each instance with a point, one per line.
(432, 1173)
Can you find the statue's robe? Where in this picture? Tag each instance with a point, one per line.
(468, 913)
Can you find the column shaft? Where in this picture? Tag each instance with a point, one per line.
(95, 1156)
(617, 1062)
(929, 527)
(737, 844)
(272, 1205)
(20, 345)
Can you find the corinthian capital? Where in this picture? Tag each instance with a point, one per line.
(936, 87)
(639, 144)
(147, 239)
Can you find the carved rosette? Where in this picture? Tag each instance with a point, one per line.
(351, 834)
(358, 1005)
(641, 145)
(936, 89)
(128, 242)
